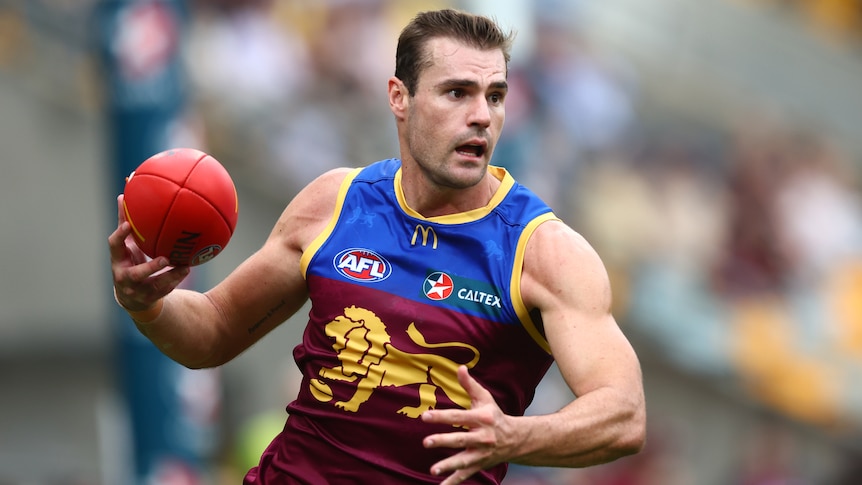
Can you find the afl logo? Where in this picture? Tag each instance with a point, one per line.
(205, 254)
(438, 286)
(362, 265)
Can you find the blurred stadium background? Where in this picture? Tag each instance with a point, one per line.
(710, 150)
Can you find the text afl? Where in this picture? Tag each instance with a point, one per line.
(362, 265)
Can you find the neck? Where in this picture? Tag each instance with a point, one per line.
(433, 200)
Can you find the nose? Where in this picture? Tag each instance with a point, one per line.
(480, 113)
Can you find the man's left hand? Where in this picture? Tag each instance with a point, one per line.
(485, 442)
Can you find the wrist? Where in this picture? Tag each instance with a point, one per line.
(143, 316)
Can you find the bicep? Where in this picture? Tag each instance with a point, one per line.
(572, 293)
(593, 353)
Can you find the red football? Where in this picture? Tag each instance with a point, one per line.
(181, 204)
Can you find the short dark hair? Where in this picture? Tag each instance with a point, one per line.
(412, 57)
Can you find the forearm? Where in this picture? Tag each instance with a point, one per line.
(598, 427)
(186, 329)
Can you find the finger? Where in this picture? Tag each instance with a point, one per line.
(454, 439)
(168, 281)
(121, 209)
(137, 255)
(456, 417)
(139, 273)
(132, 248)
(459, 476)
(479, 397)
(137, 294)
(461, 466)
(117, 242)
(477, 392)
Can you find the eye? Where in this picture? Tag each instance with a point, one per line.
(496, 98)
(456, 93)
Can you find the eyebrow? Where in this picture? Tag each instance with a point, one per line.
(466, 83)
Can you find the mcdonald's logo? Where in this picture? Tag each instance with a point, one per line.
(425, 231)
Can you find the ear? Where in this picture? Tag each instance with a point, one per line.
(399, 98)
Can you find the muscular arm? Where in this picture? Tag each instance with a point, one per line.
(209, 329)
(565, 279)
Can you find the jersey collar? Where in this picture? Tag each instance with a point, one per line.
(506, 184)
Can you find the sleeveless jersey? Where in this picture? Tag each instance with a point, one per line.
(399, 302)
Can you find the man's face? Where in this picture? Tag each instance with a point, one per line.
(454, 119)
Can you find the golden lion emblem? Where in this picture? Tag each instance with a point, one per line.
(366, 354)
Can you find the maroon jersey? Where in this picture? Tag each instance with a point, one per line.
(399, 302)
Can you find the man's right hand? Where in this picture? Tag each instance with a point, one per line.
(139, 282)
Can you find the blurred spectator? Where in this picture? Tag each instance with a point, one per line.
(579, 104)
(353, 50)
(819, 219)
(755, 259)
(241, 61)
(655, 218)
(818, 209)
(344, 118)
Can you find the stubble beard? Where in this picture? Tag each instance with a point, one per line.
(443, 174)
(437, 167)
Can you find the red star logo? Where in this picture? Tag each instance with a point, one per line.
(438, 286)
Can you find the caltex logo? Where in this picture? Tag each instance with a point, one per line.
(438, 286)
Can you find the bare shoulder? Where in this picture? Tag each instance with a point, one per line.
(310, 210)
(562, 268)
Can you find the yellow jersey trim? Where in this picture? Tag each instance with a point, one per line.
(515, 287)
(315, 245)
(506, 184)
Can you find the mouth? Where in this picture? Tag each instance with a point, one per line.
(473, 149)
